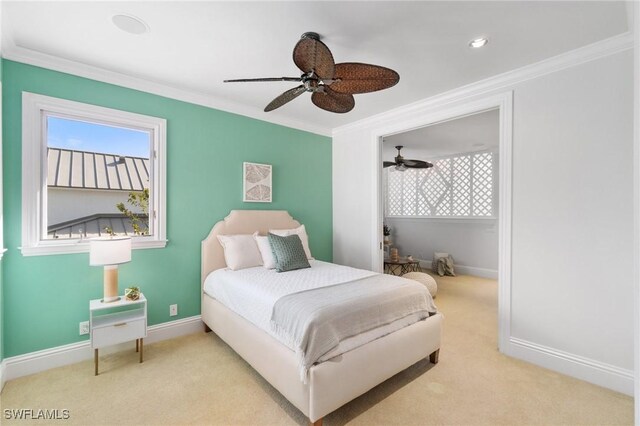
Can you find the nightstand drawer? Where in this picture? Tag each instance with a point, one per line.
(119, 332)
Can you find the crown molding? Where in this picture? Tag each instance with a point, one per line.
(565, 60)
(550, 65)
(43, 60)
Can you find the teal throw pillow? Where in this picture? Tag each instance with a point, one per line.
(289, 252)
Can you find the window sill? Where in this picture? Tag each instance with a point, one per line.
(49, 248)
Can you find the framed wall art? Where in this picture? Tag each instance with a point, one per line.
(256, 183)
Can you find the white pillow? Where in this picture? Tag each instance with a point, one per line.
(240, 251)
(301, 232)
(268, 260)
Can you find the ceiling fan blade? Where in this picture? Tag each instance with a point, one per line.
(363, 78)
(332, 101)
(244, 80)
(388, 163)
(310, 54)
(417, 164)
(287, 96)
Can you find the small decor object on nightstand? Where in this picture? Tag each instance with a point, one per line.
(132, 293)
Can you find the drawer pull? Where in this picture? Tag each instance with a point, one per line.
(120, 324)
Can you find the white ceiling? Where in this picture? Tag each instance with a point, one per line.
(477, 132)
(195, 45)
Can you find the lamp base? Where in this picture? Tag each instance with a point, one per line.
(110, 284)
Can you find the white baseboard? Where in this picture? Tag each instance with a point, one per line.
(34, 362)
(173, 329)
(589, 370)
(596, 372)
(3, 375)
(466, 270)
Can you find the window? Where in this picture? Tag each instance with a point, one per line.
(460, 186)
(90, 171)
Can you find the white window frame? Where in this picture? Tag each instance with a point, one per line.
(35, 109)
(458, 219)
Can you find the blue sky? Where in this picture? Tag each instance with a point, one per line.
(82, 136)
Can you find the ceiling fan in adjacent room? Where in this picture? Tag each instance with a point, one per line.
(332, 85)
(401, 164)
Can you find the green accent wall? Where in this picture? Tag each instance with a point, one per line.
(45, 297)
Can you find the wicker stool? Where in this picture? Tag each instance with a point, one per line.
(424, 279)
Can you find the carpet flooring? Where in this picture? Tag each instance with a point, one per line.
(198, 379)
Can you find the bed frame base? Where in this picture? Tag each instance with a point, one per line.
(433, 357)
(331, 383)
(334, 382)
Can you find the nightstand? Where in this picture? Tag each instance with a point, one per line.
(117, 322)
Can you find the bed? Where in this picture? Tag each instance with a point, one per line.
(330, 383)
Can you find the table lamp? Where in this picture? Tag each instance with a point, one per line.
(110, 252)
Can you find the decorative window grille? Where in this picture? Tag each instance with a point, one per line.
(458, 186)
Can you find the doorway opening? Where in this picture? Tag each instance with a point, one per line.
(501, 106)
(441, 195)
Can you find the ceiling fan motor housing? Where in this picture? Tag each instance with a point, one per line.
(311, 82)
(311, 34)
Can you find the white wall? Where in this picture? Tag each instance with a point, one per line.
(573, 211)
(473, 244)
(572, 224)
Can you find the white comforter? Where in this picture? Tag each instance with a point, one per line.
(253, 292)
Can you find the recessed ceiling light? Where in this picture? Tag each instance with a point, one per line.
(478, 42)
(130, 24)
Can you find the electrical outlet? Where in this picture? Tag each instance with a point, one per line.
(173, 310)
(84, 327)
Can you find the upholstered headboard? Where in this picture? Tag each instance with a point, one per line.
(240, 222)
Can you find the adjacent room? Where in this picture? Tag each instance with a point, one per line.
(440, 212)
(319, 212)
(442, 195)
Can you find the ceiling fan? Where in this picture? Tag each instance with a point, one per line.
(403, 164)
(332, 85)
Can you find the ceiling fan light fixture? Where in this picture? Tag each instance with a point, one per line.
(331, 85)
(130, 24)
(479, 42)
(401, 164)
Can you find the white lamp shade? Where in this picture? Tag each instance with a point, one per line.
(109, 251)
